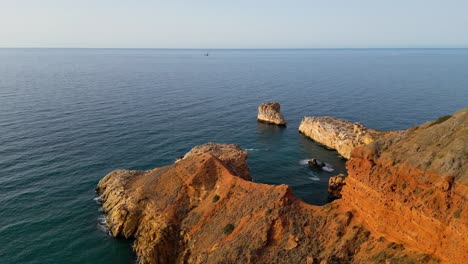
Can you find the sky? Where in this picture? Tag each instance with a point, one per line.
(234, 23)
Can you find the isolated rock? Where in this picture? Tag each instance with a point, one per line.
(270, 113)
(338, 134)
(315, 163)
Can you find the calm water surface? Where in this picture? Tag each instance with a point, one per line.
(69, 116)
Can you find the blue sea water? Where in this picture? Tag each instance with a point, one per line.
(69, 116)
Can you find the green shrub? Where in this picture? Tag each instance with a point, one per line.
(215, 198)
(403, 186)
(457, 213)
(366, 233)
(228, 229)
(338, 233)
(440, 120)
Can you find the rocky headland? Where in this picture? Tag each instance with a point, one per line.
(412, 187)
(338, 134)
(404, 202)
(270, 113)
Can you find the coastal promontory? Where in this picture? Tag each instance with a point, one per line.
(270, 113)
(199, 210)
(404, 201)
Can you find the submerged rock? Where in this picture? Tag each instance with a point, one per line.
(338, 134)
(270, 113)
(315, 163)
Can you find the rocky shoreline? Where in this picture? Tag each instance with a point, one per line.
(403, 202)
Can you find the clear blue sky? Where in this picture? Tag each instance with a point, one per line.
(234, 23)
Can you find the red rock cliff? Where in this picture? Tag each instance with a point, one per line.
(411, 187)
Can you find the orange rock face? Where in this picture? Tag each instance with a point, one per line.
(412, 187)
(201, 209)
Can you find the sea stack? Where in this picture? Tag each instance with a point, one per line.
(270, 113)
(338, 134)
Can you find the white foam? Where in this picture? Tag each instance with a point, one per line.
(327, 167)
(252, 149)
(102, 224)
(304, 162)
(102, 219)
(314, 178)
(97, 199)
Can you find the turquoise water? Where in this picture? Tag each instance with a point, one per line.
(69, 116)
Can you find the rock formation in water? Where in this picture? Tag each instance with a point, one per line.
(338, 134)
(404, 202)
(336, 184)
(270, 113)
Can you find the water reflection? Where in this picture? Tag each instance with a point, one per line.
(269, 132)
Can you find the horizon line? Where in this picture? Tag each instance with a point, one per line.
(322, 48)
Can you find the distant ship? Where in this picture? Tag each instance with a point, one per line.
(206, 54)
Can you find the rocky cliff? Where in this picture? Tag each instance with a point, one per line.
(411, 187)
(202, 209)
(270, 113)
(338, 134)
(335, 185)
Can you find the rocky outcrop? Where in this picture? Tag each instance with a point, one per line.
(270, 113)
(338, 134)
(201, 210)
(335, 185)
(232, 155)
(411, 187)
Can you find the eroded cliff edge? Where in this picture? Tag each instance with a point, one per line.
(338, 134)
(412, 187)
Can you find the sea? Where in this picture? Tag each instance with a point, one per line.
(70, 116)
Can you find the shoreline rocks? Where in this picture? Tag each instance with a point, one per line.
(338, 134)
(270, 113)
